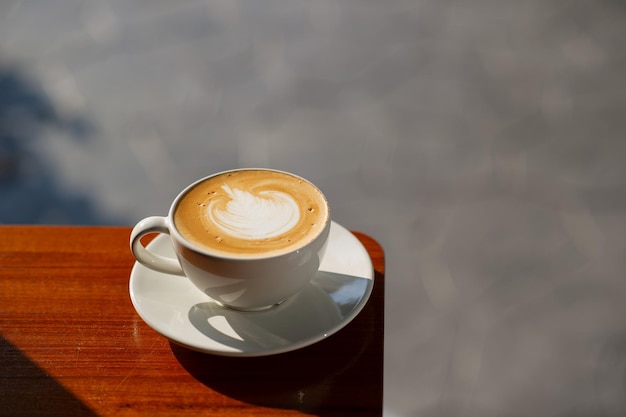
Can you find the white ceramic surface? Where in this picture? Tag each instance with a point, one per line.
(278, 275)
(176, 309)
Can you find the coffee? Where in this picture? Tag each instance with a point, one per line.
(251, 213)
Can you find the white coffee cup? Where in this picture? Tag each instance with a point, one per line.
(248, 238)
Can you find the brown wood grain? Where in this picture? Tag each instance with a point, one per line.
(71, 343)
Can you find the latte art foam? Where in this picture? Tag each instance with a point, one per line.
(249, 213)
(249, 216)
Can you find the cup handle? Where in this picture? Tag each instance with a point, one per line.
(146, 257)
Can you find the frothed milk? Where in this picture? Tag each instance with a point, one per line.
(252, 212)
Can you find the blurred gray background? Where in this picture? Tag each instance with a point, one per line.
(481, 142)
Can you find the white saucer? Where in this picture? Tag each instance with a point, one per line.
(176, 309)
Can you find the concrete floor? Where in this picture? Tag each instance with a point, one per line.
(482, 142)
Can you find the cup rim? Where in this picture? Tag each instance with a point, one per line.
(215, 254)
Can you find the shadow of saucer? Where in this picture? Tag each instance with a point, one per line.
(340, 373)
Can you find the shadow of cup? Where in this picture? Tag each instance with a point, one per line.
(311, 315)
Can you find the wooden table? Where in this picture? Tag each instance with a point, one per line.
(71, 343)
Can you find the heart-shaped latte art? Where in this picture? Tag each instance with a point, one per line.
(252, 216)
